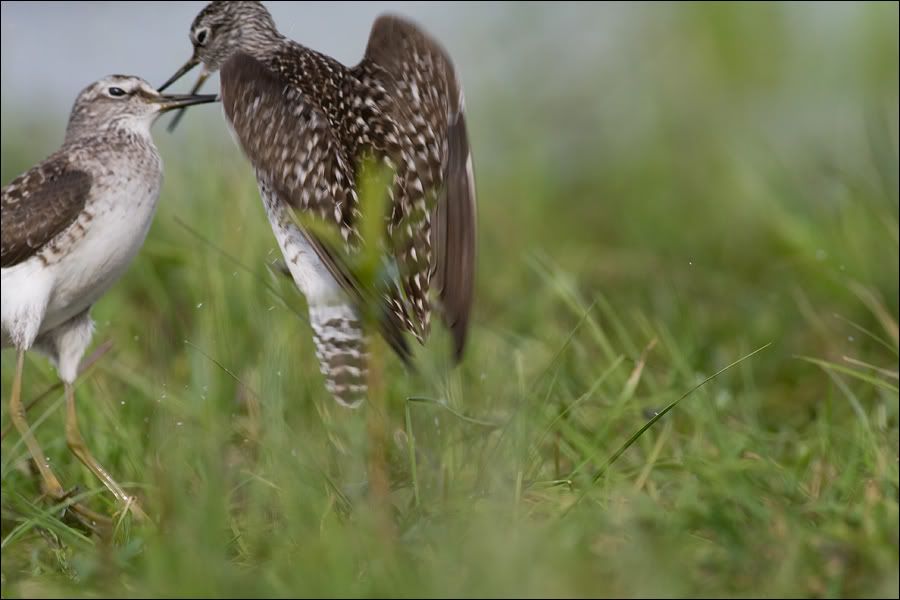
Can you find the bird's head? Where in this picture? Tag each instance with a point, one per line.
(220, 30)
(123, 100)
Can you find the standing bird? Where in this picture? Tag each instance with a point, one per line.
(70, 227)
(305, 121)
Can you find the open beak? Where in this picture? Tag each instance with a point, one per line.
(169, 102)
(204, 75)
(193, 62)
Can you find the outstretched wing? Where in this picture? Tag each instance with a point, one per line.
(292, 146)
(38, 205)
(434, 218)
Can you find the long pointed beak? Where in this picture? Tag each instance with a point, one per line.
(204, 75)
(169, 102)
(190, 64)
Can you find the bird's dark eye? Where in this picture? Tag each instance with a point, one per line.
(116, 91)
(201, 36)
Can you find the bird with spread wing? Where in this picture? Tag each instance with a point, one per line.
(306, 123)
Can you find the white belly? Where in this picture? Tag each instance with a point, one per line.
(100, 258)
(310, 274)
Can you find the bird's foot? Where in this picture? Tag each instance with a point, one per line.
(76, 513)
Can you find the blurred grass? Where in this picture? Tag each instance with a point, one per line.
(718, 177)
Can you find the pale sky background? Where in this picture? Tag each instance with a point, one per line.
(59, 47)
(51, 50)
(561, 72)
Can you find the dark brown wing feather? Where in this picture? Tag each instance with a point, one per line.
(291, 144)
(455, 233)
(427, 104)
(38, 205)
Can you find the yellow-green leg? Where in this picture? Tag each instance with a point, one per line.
(51, 484)
(80, 450)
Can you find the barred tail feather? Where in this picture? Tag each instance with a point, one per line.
(341, 350)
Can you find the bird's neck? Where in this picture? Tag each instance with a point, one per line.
(260, 41)
(128, 126)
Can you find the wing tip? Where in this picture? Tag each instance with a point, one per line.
(460, 334)
(393, 18)
(388, 25)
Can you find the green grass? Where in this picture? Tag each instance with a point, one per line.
(729, 185)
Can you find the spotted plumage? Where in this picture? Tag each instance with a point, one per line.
(38, 205)
(306, 122)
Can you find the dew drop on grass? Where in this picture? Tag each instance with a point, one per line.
(200, 305)
(850, 338)
(179, 424)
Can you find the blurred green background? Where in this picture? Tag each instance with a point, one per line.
(663, 188)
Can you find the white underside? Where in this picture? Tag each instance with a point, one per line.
(310, 274)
